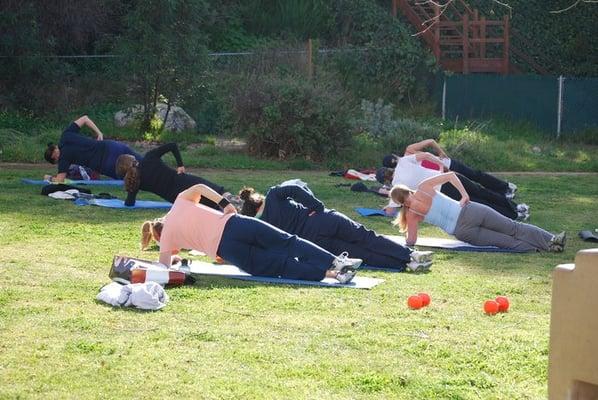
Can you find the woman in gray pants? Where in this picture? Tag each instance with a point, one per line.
(468, 221)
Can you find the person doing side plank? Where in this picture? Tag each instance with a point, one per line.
(73, 148)
(256, 247)
(153, 175)
(483, 178)
(411, 173)
(294, 209)
(468, 221)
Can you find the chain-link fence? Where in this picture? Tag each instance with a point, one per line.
(557, 105)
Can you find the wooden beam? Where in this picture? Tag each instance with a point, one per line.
(465, 43)
(505, 55)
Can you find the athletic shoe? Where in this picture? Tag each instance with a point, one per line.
(560, 239)
(421, 257)
(346, 277)
(343, 263)
(522, 217)
(524, 208)
(511, 190)
(235, 200)
(414, 266)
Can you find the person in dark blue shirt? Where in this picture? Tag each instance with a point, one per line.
(73, 148)
(294, 209)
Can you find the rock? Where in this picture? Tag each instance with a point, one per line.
(536, 149)
(178, 120)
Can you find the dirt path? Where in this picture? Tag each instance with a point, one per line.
(510, 173)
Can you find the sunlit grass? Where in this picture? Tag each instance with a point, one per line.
(232, 339)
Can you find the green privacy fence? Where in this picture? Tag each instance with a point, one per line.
(554, 104)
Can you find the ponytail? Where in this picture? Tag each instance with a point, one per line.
(252, 201)
(151, 230)
(399, 194)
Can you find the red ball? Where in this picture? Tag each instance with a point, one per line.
(415, 302)
(503, 303)
(425, 299)
(491, 307)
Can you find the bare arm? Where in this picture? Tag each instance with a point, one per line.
(428, 185)
(420, 146)
(412, 225)
(86, 121)
(429, 157)
(195, 192)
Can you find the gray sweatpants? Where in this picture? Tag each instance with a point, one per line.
(480, 225)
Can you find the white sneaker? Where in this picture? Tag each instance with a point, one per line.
(522, 217)
(524, 208)
(421, 256)
(343, 263)
(346, 277)
(414, 266)
(510, 194)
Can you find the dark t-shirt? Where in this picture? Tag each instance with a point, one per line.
(159, 178)
(78, 149)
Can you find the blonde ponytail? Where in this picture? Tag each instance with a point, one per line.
(399, 194)
(151, 230)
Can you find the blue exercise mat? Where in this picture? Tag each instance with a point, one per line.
(368, 212)
(453, 244)
(230, 271)
(99, 182)
(116, 203)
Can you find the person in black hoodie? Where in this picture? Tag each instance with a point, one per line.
(294, 209)
(153, 175)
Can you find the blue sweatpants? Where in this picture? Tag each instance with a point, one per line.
(336, 233)
(112, 151)
(261, 249)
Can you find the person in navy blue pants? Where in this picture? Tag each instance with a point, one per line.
(294, 209)
(264, 250)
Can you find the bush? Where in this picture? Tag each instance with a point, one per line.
(288, 117)
(392, 134)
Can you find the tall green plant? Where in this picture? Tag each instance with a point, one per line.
(165, 53)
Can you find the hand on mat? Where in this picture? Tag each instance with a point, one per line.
(48, 178)
(100, 136)
(464, 201)
(180, 170)
(229, 209)
(390, 211)
(175, 260)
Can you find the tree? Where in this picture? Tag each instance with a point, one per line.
(164, 53)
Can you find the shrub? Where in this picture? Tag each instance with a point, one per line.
(392, 134)
(288, 117)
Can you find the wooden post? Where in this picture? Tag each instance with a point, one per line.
(394, 8)
(465, 44)
(506, 43)
(483, 37)
(310, 65)
(436, 48)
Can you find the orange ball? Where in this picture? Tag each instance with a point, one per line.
(415, 302)
(491, 307)
(503, 303)
(425, 299)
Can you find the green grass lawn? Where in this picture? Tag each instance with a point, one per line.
(232, 339)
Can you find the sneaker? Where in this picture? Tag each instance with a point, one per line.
(235, 200)
(421, 257)
(560, 239)
(346, 277)
(555, 248)
(522, 217)
(415, 266)
(511, 190)
(524, 208)
(343, 263)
